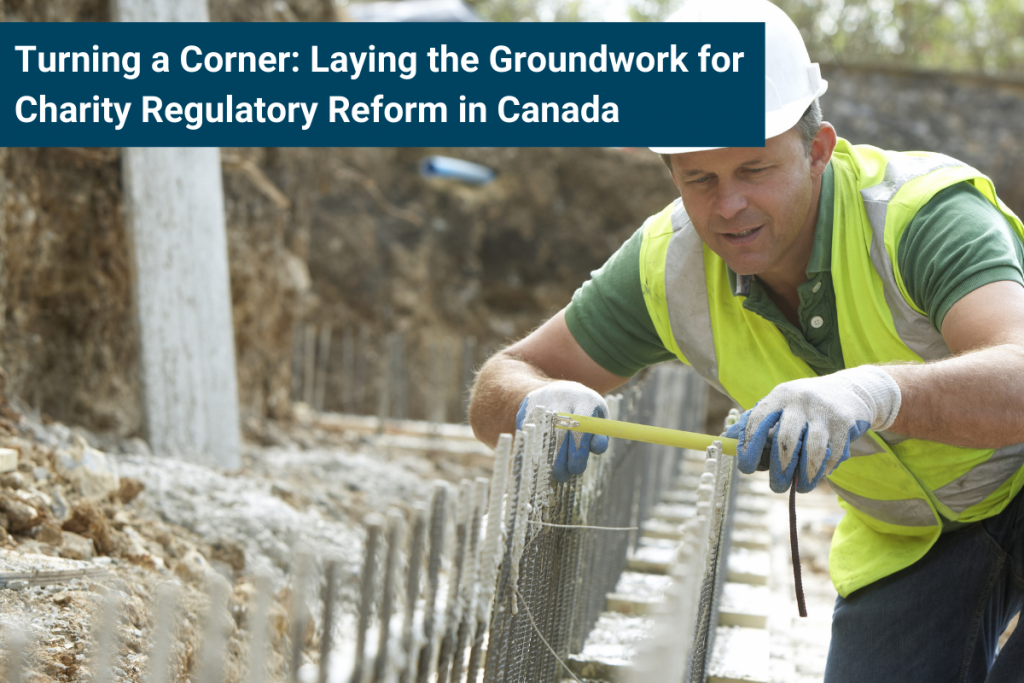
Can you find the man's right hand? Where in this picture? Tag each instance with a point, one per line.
(575, 398)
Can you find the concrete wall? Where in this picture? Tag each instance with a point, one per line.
(975, 119)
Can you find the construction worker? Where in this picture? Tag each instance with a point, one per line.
(867, 304)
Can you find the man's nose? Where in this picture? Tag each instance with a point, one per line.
(730, 200)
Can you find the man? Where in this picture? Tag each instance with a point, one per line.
(867, 304)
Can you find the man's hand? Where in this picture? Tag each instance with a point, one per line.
(817, 420)
(548, 354)
(568, 397)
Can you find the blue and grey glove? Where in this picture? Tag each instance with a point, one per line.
(818, 418)
(575, 398)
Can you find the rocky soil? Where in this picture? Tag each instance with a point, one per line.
(85, 516)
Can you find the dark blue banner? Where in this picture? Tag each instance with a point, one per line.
(381, 84)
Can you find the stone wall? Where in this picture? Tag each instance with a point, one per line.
(975, 119)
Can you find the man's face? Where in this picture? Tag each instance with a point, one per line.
(752, 206)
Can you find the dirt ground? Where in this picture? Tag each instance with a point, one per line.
(303, 491)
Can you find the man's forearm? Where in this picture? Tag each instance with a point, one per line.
(501, 385)
(973, 400)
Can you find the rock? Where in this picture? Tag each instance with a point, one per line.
(129, 490)
(75, 547)
(135, 446)
(121, 519)
(8, 459)
(63, 599)
(20, 516)
(229, 552)
(33, 547)
(90, 471)
(41, 473)
(88, 520)
(133, 548)
(59, 507)
(14, 480)
(193, 567)
(49, 534)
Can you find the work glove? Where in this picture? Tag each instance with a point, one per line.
(568, 397)
(818, 418)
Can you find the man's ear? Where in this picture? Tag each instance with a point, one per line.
(822, 148)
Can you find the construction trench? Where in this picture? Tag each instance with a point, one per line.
(360, 297)
(511, 578)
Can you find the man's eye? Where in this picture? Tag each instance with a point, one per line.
(756, 170)
(701, 180)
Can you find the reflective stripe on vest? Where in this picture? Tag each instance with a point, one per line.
(686, 293)
(687, 300)
(909, 512)
(977, 483)
(914, 329)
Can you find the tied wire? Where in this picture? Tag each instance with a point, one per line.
(541, 636)
(584, 526)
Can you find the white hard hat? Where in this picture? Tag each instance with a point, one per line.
(791, 80)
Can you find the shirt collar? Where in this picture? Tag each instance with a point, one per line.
(821, 250)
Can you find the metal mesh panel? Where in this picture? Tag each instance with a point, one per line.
(510, 594)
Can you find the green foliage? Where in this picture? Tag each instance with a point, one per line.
(984, 36)
(651, 10)
(979, 36)
(531, 10)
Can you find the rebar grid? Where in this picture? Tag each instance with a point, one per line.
(526, 577)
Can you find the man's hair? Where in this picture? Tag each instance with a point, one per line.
(808, 127)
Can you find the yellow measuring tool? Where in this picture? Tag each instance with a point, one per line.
(645, 433)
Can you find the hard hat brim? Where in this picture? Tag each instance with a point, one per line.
(775, 122)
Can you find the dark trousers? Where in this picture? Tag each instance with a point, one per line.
(940, 619)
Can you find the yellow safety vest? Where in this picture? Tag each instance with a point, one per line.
(893, 489)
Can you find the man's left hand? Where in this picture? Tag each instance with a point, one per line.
(817, 420)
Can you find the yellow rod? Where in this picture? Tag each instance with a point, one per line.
(647, 434)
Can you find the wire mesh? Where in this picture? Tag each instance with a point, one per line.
(526, 568)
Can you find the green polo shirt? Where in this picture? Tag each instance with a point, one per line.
(955, 244)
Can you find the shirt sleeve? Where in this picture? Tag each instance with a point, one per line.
(608, 316)
(956, 243)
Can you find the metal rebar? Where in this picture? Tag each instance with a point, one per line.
(107, 639)
(259, 631)
(470, 585)
(309, 364)
(455, 578)
(360, 378)
(395, 537)
(434, 410)
(401, 380)
(299, 613)
(327, 634)
(412, 592)
(501, 617)
(298, 345)
(348, 369)
(438, 519)
(491, 553)
(164, 623)
(18, 646)
(385, 383)
(215, 630)
(468, 372)
(373, 523)
(323, 357)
